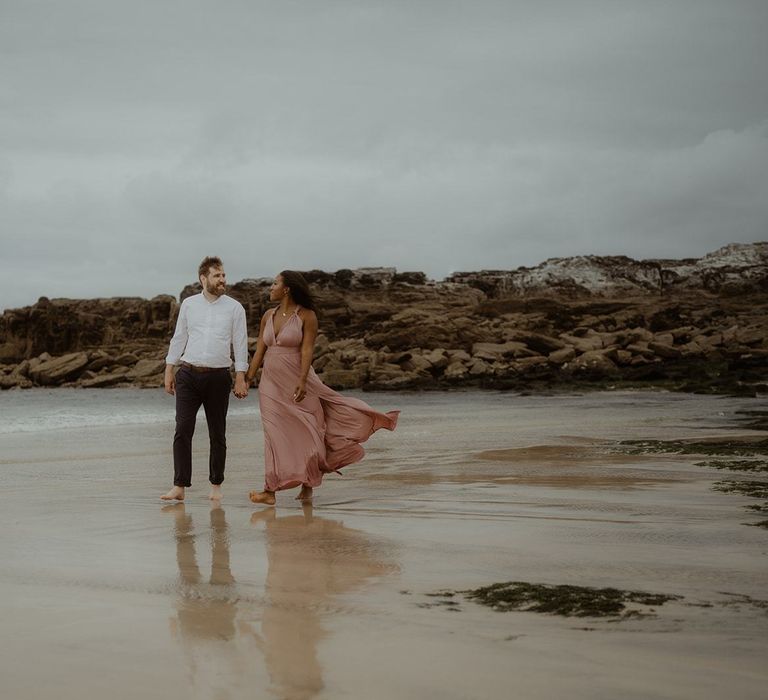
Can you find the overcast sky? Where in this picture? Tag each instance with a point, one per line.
(138, 136)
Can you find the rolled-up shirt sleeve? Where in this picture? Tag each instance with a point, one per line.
(240, 339)
(180, 338)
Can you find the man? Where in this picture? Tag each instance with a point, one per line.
(209, 324)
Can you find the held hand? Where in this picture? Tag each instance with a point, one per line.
(241, 387)
(170, 381)
(300, 392)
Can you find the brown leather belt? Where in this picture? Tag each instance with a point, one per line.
(196, 368)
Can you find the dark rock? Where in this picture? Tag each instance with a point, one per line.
(59, 369)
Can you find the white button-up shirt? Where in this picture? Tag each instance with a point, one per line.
(208, 331)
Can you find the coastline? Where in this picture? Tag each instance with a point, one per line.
(583, 322)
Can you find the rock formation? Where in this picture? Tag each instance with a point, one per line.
(585, 321)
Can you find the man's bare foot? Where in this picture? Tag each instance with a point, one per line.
(175, 494)
(305, 495)
(265, 497)
(215, 494)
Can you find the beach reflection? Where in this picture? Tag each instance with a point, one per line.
(203, 611)
(311, 560)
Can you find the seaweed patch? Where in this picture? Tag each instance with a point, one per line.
(566, 600)
(720, 448)
(736, 465)
(754, 489)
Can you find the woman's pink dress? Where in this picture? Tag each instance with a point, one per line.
(320, 434)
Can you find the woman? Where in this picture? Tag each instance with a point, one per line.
(309, 429)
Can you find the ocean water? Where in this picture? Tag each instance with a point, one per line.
(474, 417)
(38, 410)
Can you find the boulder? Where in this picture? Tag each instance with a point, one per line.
(641, 349)
(344, 378)
(558, 357)
(383, 372)
(587, 343)
(406, 380)
(14, 381)
(455, 370)
(458, 355)
(479, 368)
(417, 363)
(437, 358)
(104, 380)
(147, 368)
(497, 351)
(59, 369)
(99, 360)
(594, 364)
(22, 369)
(664, 350)
(637, 334)
(539, 343)
(126, 359)
(526, 363)
(692, 349)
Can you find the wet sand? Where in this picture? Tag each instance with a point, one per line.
(107, 592)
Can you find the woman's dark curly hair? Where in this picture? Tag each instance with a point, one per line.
(299, 289)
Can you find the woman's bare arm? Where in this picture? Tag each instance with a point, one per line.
(261, 348)
(307, 350)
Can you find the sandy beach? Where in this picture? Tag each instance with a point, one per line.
(107, 592)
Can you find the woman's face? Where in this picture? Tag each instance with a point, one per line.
(278, 290)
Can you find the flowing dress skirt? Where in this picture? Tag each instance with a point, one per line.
(321, 434)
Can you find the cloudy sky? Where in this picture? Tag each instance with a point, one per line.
(437, 135)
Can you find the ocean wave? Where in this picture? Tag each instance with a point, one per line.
(32, 412)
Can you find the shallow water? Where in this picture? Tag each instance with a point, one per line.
(332, 601)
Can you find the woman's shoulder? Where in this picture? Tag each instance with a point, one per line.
(267, 314)
(306, 314)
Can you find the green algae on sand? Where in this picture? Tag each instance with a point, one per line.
(717, 447)
(754, 489)
(565, 600)
(736, 465)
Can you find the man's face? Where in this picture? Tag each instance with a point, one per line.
(215, 282)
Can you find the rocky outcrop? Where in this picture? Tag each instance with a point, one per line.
(733, 269)
(60, 326)
(695, 324)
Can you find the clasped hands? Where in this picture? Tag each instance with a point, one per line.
(241, 386)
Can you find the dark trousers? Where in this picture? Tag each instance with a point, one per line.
(211, 390)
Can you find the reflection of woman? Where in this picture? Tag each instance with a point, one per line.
(309, 429)
(310, 560)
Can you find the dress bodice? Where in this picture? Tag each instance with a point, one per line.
(290, 335)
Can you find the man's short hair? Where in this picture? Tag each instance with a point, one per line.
(207, 264)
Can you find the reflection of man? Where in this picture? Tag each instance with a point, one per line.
(209, 325)
(206, 611)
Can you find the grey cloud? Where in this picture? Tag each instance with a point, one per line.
(139, 137)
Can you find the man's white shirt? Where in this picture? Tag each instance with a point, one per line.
(208, 331)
